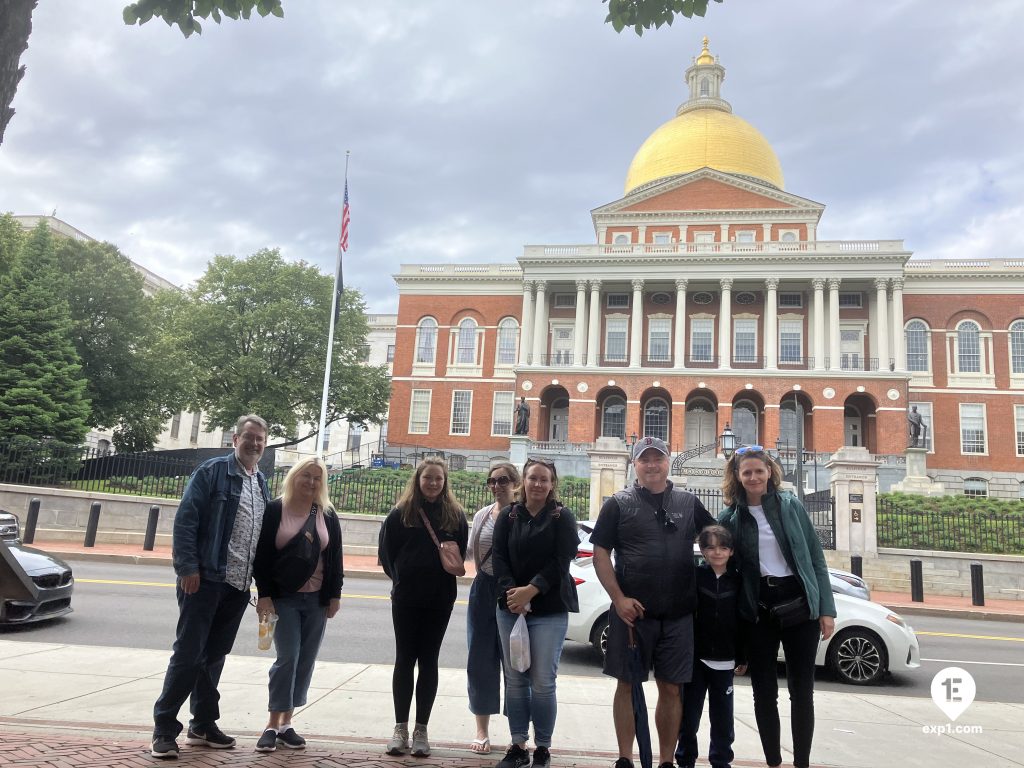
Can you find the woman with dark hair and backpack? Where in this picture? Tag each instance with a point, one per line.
(785, 593)
(426, 517)
(535, 539)
(298, 572)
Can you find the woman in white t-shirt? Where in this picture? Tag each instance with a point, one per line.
(483, 668)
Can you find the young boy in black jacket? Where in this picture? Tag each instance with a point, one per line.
(718, 650)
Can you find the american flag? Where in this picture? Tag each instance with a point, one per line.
(343, 240)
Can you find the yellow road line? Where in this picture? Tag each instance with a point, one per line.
(344, 595)
(970, 637)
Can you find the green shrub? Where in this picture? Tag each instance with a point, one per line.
(951, 524)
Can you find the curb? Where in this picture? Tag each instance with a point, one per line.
(980, 614)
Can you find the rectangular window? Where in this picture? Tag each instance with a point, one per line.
(617, 300)
(744, 347)
(565, 300)
(1017, 347)
(325, 445)
(391, 353)
(364, 353)
(791, 300)
(704, 237)
(850, 300)
(972, 428)
(197, 419)
(462, 405)
(1018, 417)
(702, 340)
(662, 238)
(616, 330)
(745, 236)
(659, 340)
(791, 341)
(176, 425)
(226, 438)
(501, 413)
(419, 412)
(355, 438)
(426, 342)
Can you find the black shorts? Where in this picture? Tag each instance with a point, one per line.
(666, 645)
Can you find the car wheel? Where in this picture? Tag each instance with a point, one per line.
(858, 656)
(599, 635)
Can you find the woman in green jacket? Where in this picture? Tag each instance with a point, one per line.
(786, 594)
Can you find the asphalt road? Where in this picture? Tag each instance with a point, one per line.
(134, 606)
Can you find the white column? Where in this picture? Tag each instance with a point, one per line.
(725, 324)
(526, 325)
(679, 332)
(724, 237)
(636, 324)
(881, 330)
(540, 326)
(899, 351)
(833, 323)
(682, 233)
(594, 335)
(819, 323)
(771, 324)
(579, 338)
(767, 229)
(641, 234)
(812, 232)
(602, 235)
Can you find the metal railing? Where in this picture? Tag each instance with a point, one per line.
(951, 524)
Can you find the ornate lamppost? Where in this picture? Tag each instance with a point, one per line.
(727, 441)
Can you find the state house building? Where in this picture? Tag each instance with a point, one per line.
(707, 299)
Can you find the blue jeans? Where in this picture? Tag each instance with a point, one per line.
(717, 685)
(207, 624)
(484, 665)
(301, 621)
(531, 694)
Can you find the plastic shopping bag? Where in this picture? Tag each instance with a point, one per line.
(519, 645)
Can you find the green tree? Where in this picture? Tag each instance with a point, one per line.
(641, 15)
(42, 389)
(12, 238)
(114, 328)
(256, 334)
(184, 13)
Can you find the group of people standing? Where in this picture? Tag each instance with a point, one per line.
(227, 533)
(763, 583)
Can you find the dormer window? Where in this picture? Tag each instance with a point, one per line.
(705, 88)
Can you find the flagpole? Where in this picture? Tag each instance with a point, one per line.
(339, 286)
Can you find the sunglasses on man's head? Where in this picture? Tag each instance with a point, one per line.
(749, 449)
(502, 481)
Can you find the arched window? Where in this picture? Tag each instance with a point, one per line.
(968, 354)
(426, 340)
(508, 336)
(789, 237)
(465, 346)
(621, 239)
(744, 423)
(613, 417)
(656, 419)
(1017, 346)
(916, 334)
(791, 427)
(705, 88)
(976, 487)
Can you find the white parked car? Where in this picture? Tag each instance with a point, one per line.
(870, 641)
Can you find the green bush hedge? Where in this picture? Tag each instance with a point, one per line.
(951, 524)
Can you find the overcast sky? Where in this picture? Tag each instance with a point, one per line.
(478, 127)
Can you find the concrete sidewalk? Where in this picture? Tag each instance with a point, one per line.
(364, 566)
(92, 705)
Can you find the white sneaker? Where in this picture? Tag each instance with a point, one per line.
(420, 745)
(399, 741)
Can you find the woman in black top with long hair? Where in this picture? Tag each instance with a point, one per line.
(422, 593)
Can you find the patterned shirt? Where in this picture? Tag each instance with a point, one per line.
(245, 533)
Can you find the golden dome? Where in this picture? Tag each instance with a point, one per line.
(704, 138)
(705, 55)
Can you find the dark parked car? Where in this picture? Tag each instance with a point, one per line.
(51, 575)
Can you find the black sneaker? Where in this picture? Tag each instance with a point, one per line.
(516, 757)
(289, 738)
(209, 736)
(541, 758)
(623, 762)
(164, 748)
(268, 741)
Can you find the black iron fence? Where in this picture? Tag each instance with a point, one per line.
(951, 524)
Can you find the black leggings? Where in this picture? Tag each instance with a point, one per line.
(800, 644)
(418, 636)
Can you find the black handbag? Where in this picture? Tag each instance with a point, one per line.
(296, 561)
(791, 612)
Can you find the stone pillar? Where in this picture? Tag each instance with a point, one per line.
(853, 479)
(679, 332)
(609, 461)
(819, 323)
(725, 324)
(766, 232)
(518, 450)
(540, 326)
(917, 480)
(833, 323)
(636, 324)
(771, 324)
(525, 330)
(579, 335)
(594, 326)
(881, 329)
(899, 351)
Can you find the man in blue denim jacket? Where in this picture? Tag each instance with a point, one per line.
(216, 529)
